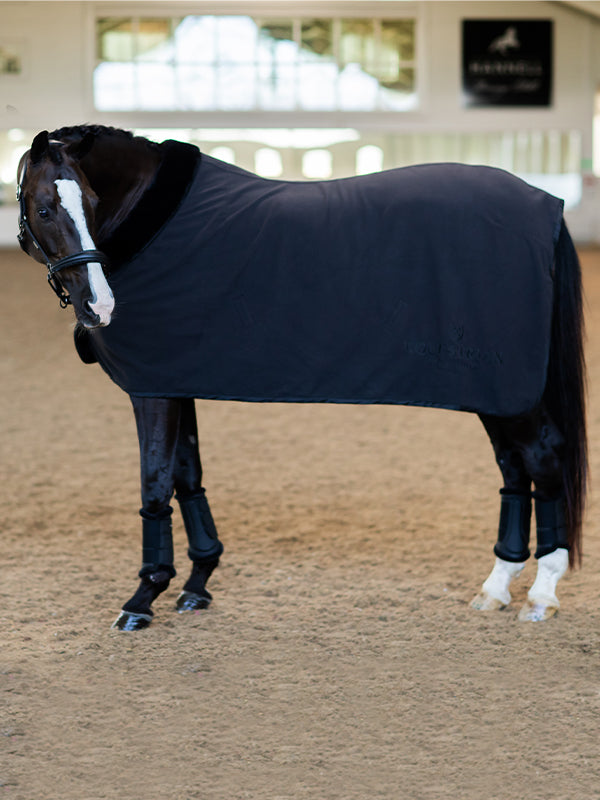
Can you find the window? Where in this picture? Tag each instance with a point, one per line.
(317, 164)
(223, 153)
(268, 163)
(369, 158)
(237, 63)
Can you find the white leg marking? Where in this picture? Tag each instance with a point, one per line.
(494, 592)
(102, 302)
(542, 600)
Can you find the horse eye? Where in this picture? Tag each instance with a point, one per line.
(43, 213)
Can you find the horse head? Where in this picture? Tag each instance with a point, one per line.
(56, 226)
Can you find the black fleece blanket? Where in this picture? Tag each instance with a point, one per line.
(428, 285)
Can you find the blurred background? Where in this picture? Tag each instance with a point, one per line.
(317, 90)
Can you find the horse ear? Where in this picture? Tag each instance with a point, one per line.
(40, 147)
(81, 148)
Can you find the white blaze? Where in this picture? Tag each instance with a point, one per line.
(102, 302)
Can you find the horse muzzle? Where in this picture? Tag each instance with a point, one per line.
(94, 313)
(89, 318)
(88, 292)
(103, 303)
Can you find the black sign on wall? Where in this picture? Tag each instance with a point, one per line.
(507, 62)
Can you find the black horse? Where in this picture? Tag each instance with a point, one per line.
(441, 285)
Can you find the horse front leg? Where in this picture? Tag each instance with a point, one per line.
(158, 422)
(205, 548)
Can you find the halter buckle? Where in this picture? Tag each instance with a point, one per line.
(58, 290)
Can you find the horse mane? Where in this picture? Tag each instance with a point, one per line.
(119, 168)
(79, 131)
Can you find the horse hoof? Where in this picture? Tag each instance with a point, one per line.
(536, 612)
(485, 602)
(128, 621)
(190, 601)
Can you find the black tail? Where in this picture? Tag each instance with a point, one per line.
(566, 384)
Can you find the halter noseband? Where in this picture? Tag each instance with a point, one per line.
(75, 260)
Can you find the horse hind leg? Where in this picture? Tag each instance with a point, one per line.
(529, 450)
(541, 445)
(512, 548)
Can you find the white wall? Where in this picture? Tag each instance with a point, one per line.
(55, 41)
(58, 44)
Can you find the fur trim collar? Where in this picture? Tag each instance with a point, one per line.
(156, 206)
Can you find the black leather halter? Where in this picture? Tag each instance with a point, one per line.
(74, 260)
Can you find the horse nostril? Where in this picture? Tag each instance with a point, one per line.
(96, 314)
(90, 313)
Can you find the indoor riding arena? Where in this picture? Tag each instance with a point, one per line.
(340, 658)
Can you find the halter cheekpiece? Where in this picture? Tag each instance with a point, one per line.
(74, 260)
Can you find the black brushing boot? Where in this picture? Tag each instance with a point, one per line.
(514, 527)
(156, 572)
(204, 550)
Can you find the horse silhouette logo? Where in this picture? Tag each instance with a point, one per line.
(508, 41)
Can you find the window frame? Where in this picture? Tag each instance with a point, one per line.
(256, 117)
